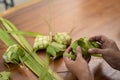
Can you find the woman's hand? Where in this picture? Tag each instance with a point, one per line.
(109, 51)
(79, 67)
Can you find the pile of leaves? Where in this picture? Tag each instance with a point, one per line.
(20, 51)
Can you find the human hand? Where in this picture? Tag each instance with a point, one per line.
(109, 51)
(79, 67)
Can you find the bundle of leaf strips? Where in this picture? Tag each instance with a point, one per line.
(85, 44)
(20, 51)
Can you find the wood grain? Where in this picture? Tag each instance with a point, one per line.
(83, 17)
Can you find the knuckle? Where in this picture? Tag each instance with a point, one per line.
(67, 64)
(112, 42)
(102, 36)
(95, 50)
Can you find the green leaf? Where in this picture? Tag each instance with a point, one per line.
(71, 56)
(41, 42)
(4, 36)
(74, 45)
(58, 47)
(13, 53)
(19, 38)
(4, 75)
(85, 44)
(55, 49)
(62, 38)
(33, 34)
(30, 59)
(51, 51)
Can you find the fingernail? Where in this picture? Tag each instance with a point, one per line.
(90, 50)
(66, 58)
(78, 48)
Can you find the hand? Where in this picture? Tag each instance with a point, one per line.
(109, 51)
(79, 67)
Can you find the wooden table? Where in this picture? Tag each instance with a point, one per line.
(83, 17)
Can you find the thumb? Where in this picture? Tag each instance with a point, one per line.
(97, 51)
(79, 52)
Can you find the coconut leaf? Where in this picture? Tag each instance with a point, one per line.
(24, 33)
(85, 44)
(4, 75)
(31, 60)
(4, 36)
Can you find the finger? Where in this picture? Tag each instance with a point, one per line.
(68, 49)
(97, 51)
(79, 52)
(67, 60)
(79, 55)
(88, 59)
(100, 38)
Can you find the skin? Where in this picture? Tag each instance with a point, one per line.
(79, 67)
(110, 53)
(109, 50)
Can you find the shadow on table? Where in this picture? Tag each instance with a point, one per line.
(99, 74)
